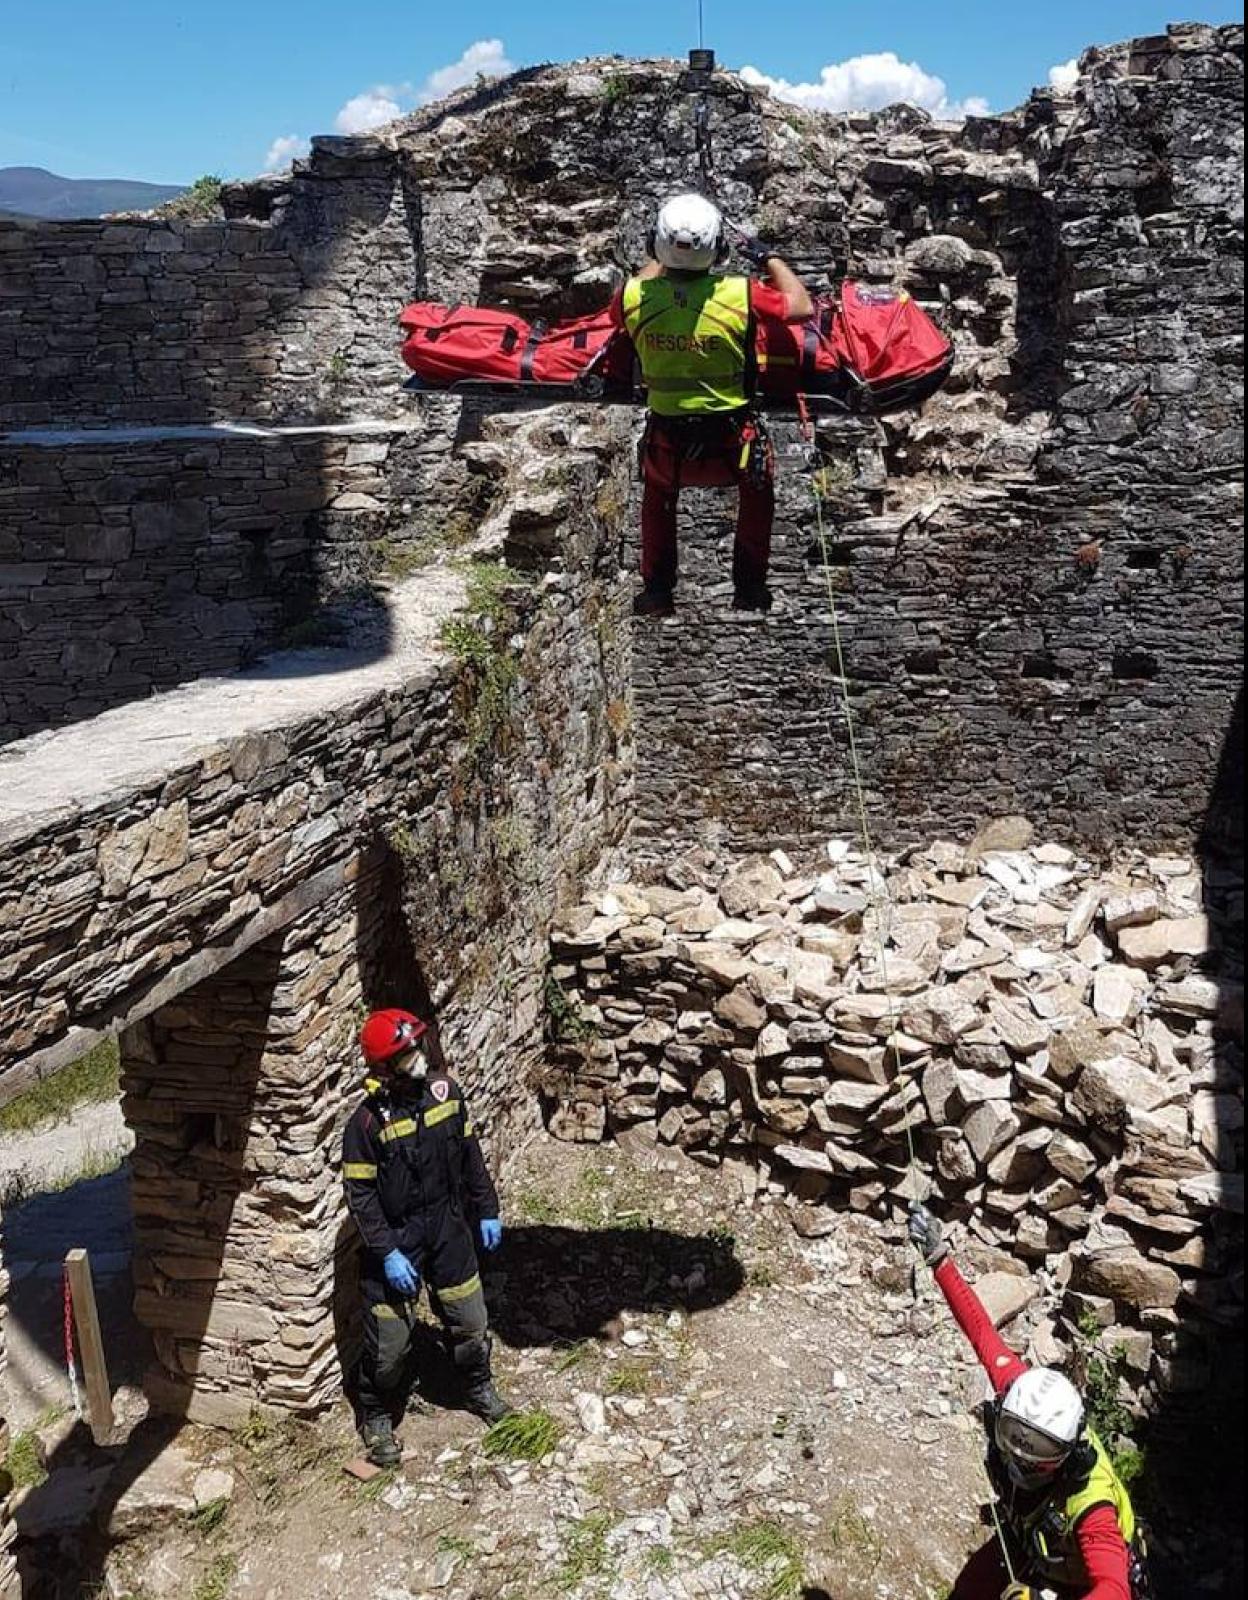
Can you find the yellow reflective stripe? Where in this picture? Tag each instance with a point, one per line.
(359, 1169)
(462, 1291)
(385, 1313)
(441, 1113)
(469, 1130)
(397, 1130)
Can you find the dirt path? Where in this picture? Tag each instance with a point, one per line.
(742, 1412)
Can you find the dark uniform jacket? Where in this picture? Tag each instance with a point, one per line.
(413, 1166)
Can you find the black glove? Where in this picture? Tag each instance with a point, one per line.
(927, 1236)
(755, 251)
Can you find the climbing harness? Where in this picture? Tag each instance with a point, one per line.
(71, 1367)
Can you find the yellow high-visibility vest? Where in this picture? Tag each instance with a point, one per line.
(1049, 1531)
(692, 338)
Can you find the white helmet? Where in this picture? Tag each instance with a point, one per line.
(1038, 1426)
(689, 234)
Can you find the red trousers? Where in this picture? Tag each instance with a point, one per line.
(705, 455)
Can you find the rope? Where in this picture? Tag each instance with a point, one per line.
(875, 879)
(875, 884)
(70, 1366)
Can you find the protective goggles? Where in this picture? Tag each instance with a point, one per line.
(1036, 1452)
(407, 1036)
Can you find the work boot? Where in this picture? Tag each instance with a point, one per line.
(654, 603)
(752, 597)
(484, 1401)
(380, 1445)
(480, 1395)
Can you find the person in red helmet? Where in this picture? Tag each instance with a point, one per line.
(416, 1184)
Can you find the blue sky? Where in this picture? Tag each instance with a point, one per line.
(166, 91)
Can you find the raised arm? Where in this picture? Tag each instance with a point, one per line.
(997, 1359)
(797, 296)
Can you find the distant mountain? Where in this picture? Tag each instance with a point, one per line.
(32, 192)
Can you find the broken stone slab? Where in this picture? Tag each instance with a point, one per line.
(1082, 915)
(965, 892)
(872, 1064)
(579, 1122)
(1001, 834)
(1131, 910)
(1218, 1123)
(989, 1128)
(850, 1095)
(1163, 941)
(1215, 1191)
(815, 979)
(740, 1009)
(1021, 1030)
(743, 891)
(1117, 993)
(1193, 996)
(941, 1016)
(798, 1156)
(834, 943)
(975, 1087)
(1108, 1089)
(724, 966)
(739, 933)
(1023, 1161)
(772, 1043)
(1004, 1295)
(161, 1493)
(1122, 1273)
(1070, 1157)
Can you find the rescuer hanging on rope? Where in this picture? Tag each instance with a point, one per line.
(416, 1184)
(1067, 1523)
(693, 331)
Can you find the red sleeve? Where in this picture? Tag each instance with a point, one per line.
(997, 1359)
(1105, 1555)
(768, 302)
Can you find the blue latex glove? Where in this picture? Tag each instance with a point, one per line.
(491, 1233)
(401, 1274)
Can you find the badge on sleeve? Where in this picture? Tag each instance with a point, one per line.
(441, 1090)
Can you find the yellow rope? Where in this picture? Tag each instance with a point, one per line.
(875, 879)
(876, 882)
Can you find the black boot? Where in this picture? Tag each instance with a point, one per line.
(480, 1395)
(752, 597)
(380, 1445)
(654, 603)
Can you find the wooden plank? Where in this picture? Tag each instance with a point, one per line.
(90, 1345)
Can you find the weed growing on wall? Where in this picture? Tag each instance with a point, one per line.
(567, 1023)
(90, 1081)
(1100, 1374)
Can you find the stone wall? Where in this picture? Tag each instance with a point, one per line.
(1055, 1053)
(450, 813)
(131, 564)
(1040, 579)
(285, 308)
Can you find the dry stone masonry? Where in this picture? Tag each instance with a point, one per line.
(1055, 1051)
(209, 457)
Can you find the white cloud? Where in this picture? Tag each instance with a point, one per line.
(385, 102)
(487, 58)
(869, 83)
(1063, 78)
(372, 109)
(290, 147)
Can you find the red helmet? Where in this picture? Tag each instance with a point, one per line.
(387, 1034)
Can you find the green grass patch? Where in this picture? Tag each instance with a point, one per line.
(523, 1436)
(23, 1462)
(850, 1534)
(577, 1355)
(206, 1519)
(93, 1079)
(565, 1019)
(631, 1377)
(769, 1554)
(586, 1554)
(215, 1583)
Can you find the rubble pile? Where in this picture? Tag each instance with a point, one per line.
(1057, 1044)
